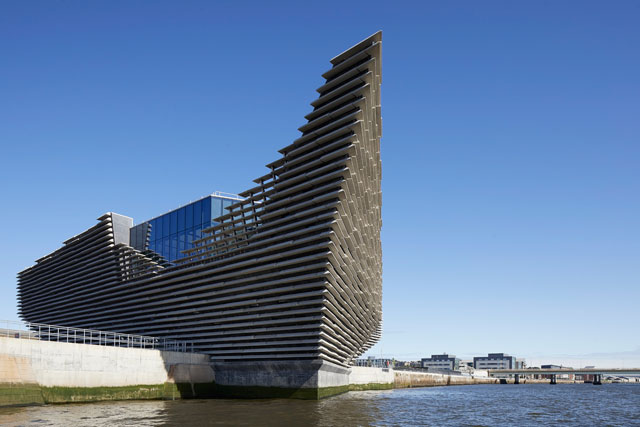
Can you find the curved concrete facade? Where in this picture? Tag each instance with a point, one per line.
(292, 272)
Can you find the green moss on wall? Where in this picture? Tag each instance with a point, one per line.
(20, 394)
(94, 394)
(371, 386)
(31, 394)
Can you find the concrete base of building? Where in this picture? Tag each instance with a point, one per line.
(291, 379)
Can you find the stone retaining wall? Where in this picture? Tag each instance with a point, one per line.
(406, 379)
(33, 371)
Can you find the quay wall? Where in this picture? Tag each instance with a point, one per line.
(363, 378)
(37, 372)
(33, 371)
(408, 379)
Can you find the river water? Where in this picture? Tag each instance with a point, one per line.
(476, 405)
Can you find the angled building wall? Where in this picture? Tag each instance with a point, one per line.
(291, 272)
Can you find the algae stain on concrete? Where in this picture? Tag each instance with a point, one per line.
(33, 394)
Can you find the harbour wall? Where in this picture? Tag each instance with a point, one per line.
(37, 372)
(33, 371)
(409, 379)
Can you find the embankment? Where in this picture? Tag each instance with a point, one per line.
(408, 379)
(39, 372)
(364, 378)
(36, 372)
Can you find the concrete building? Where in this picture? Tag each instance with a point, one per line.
(290, 271)
(441, 361)
(494, 361)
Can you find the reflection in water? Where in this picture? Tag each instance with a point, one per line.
(523, 405)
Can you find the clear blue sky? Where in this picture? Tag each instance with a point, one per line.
(511, 146)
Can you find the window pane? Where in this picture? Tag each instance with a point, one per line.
(181, 220)
(197, 213)
(189, 239)
(206, 212)
(165, 247)
(174, 247)
(216, 208)
(165, 225)
(174, 222)
(189, 216)
(182, 240)
(198, 233)
(225, 203)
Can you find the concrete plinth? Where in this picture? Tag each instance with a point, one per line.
(293, 379)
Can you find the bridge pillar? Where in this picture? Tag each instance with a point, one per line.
(554, 379)
(597, 379)
(516, 379)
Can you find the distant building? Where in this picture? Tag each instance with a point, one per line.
(441, 361)
(494, 361)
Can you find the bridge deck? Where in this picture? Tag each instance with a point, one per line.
(589, 371)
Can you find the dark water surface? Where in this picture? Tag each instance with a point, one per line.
(477, 405)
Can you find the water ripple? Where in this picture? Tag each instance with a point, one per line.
(473, 406)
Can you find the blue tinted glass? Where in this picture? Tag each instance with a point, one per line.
(206, 212)
(182, 240)
(225, 203)
(197, 213)
(165, 247)
(189, 243)
(152, 226)
(216, 208)
(181, 220)
(189, 216)
(174, 247)
(174, 222)
(198, 233)
(165, 225)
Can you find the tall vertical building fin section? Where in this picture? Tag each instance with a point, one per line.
(292, 271)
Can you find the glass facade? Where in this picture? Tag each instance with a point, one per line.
(175, 231)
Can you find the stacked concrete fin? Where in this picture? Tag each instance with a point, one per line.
(84, 269)
(292, 272)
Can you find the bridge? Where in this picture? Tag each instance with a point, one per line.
(554, 372)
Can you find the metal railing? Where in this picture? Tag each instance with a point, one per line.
(44, 332)
(373, 363)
